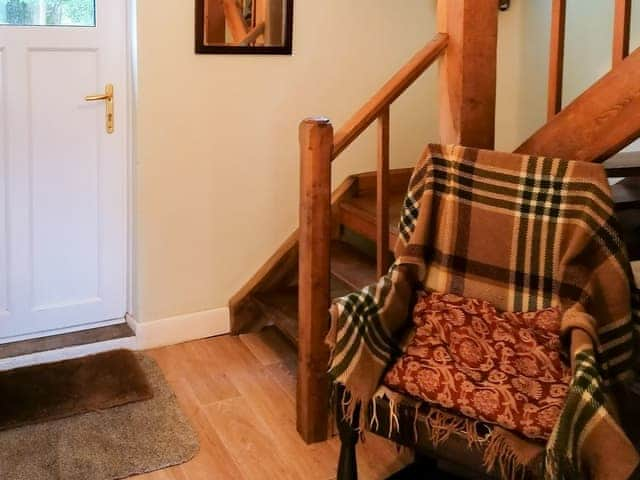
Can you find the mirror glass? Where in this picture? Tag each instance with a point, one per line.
(244, 26)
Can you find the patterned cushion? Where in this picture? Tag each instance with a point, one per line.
(501, 368)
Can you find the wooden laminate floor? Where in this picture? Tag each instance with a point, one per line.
(239, 393)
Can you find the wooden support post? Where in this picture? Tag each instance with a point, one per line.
(316, 143)
(621, 30)
(468, 72)
(382, 195)
(556, 57)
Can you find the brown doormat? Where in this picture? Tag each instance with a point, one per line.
(57, 390)
(110, 444)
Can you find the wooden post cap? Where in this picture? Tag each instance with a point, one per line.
(319, 120)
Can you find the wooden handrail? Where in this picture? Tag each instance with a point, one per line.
(388, 93)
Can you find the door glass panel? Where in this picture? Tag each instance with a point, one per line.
(74, 13)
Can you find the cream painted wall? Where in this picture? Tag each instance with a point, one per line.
(216, 136)
(216, 142)
(523, 40)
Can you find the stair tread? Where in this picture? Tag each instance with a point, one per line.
(351, 266)
(282, 306)
(623, 164)
(365, 206)
(359, 214)
(626, 193)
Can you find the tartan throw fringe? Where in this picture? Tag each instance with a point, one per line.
(524, 233)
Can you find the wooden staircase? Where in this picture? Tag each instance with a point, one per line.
(345, 239)
(353, 257)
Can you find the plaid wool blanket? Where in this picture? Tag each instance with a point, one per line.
(524, 233)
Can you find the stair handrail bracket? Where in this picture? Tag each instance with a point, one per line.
(318, 148)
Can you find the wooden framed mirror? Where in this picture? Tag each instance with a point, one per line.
(244, 26)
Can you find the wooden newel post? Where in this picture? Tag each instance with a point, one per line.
(312, 403)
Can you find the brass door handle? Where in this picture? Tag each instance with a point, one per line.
(93, 98)
(107, 96)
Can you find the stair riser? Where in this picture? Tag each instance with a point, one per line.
(360, 222)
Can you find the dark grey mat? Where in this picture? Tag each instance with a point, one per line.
(105, 445)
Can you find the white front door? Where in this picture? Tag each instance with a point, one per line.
(63, 177)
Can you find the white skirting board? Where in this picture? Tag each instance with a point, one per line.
(181, 328)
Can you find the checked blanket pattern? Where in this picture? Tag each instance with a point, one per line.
(523, 233)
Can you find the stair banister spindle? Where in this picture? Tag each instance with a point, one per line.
(556, 57)
(621, 30)
(382, 194)
(312, 404)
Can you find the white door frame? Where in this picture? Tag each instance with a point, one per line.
(132, 82)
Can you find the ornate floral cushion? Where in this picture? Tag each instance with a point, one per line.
(501, 368)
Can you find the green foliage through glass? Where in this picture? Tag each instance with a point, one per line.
(79, 13)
